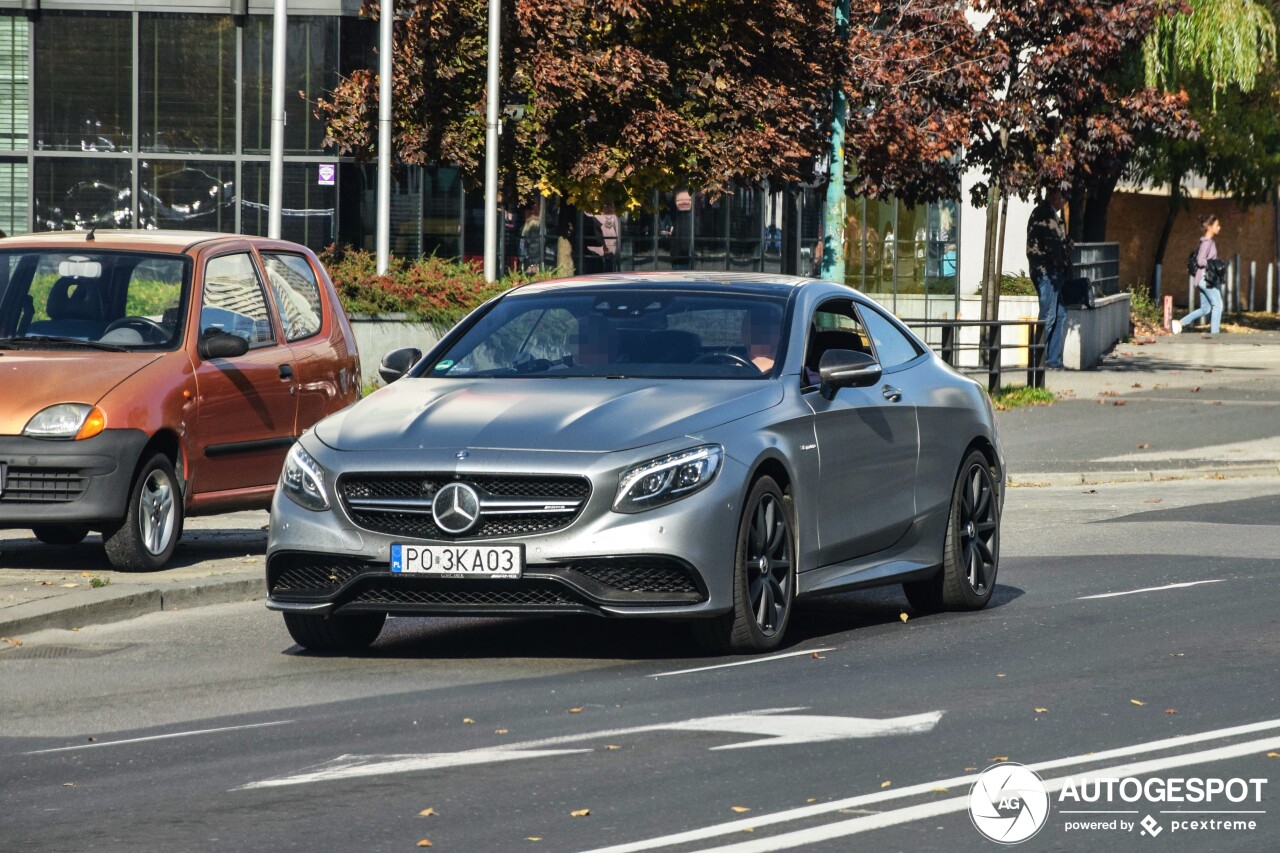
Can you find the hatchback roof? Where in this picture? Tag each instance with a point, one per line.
(154, 241)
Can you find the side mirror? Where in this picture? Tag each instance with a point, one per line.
(397, 363)
(846, 368)
(217, 344)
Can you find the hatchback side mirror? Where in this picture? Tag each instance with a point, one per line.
(846, 368)
(397, 363)
(218, 344)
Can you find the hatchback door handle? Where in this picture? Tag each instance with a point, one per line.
(286, 371)
(893, 395)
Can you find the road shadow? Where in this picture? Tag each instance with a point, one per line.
(595, 638)
(195, 547)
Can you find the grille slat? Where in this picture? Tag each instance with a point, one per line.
(360, 492)
(42, 485)
(638, 575)
(522, 597)
(314, 574)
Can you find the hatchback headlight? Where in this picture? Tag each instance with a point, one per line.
(667, 478)
(303, 480)
(66, 420)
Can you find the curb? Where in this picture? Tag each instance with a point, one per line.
(118, 605)
(1095, 478)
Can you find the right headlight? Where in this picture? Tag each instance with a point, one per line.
(303, 480)
(667, 478)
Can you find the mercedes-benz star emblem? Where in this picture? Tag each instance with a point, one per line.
(456, 508)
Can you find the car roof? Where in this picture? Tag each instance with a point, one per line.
(776, 284)
(123, 239)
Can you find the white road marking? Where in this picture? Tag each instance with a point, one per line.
(845, 828)
(789, 729)
(1149, 589)
(1257, 450)
(158, 737)
(925, 788)
(742, 662)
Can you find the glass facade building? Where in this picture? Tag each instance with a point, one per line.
(118, 115)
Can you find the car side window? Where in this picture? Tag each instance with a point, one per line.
(297, 294)
(234, 301)
(834, 325)
(893, 348)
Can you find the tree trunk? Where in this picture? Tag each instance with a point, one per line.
(990, 264)
(1081, 195)
(1093, 228)
(1171, 215)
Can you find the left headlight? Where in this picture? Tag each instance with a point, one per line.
(303, 480)
(66, 420)
(667, 478)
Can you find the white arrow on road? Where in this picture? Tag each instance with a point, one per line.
(777, 725)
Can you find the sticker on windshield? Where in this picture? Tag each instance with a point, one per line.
(445, 365)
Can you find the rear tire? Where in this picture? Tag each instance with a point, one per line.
(60, 534)
(335, 634)
(152, 524)
(764, 577)
(971, 552)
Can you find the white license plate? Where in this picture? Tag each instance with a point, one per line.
(459, 561)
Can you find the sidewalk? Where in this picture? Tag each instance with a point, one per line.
(1177, 407)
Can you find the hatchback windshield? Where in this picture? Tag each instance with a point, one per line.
(622, 332)
(104, 300)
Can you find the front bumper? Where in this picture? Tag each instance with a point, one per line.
(672, 561)
(68, 482)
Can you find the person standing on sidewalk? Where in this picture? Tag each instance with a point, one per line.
(1049, 252)
(1210, 295)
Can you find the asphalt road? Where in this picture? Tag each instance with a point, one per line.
(208, 730)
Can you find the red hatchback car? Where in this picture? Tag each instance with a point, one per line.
(148, 376)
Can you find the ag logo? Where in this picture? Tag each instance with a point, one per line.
(1008, 803)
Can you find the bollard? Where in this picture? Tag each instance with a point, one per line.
(1253, 281)
(1236, 281)
(1271, 277)
(1168, 313)
(1191, 293)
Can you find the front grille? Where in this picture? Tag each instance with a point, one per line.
(520, 597)
(42, 485)
(643, 575)
(313, 574)
(511, 505)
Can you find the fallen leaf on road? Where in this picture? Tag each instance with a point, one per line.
(1000, 758)
(1171, 710)
(1178, 655)
(970, 769)
(1195, 390)
(1153, 500)
(1208, 370)
(467, 721)
(740, 809)
(1273, 755)
(886, 783)
(580, 813)
(533, 838)
(575, 710)
(903, 616)
(13, 641)
(941, 790)
(1108, 393)
(427, 812)
(1042, 710)
(812, 800)
(612, 746)
(68, 784)
(1136, 702)
(499, 731)
(424, 843)
(817, 656)
(1136, 385)
(1000, 675)
(1119, 403)
(86, 574)
(1143, 446)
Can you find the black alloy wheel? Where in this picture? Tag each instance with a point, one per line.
(764, 576)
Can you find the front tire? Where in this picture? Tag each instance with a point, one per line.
(60, 534)
(971, 552)
(152, 525)
(335, 634)
(764, 577)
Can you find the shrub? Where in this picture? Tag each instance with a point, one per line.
(430, 289)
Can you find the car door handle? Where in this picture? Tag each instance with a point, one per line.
(286, 372)
(893, 395)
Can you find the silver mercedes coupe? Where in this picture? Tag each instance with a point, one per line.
(703, 447)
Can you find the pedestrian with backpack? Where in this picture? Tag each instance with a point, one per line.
(1205, 266)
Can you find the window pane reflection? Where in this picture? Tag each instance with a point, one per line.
(74, 194)
(309, 210)
(83, 81)
(310, 68)
(199, 196)
(186, 83)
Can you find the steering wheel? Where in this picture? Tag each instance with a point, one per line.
(724, 357)
(148, 328)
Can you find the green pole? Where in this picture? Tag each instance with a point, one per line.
(834, 212)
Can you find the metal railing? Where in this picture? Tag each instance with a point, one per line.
(1100, 263)
(989, 348)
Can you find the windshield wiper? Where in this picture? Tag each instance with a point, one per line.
(54, 339)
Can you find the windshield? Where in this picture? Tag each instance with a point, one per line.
(692, 334)
(107, 300)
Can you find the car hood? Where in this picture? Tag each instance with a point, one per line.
(31, 380)
(589, 415)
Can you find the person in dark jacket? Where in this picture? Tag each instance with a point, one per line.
(1049, 253)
